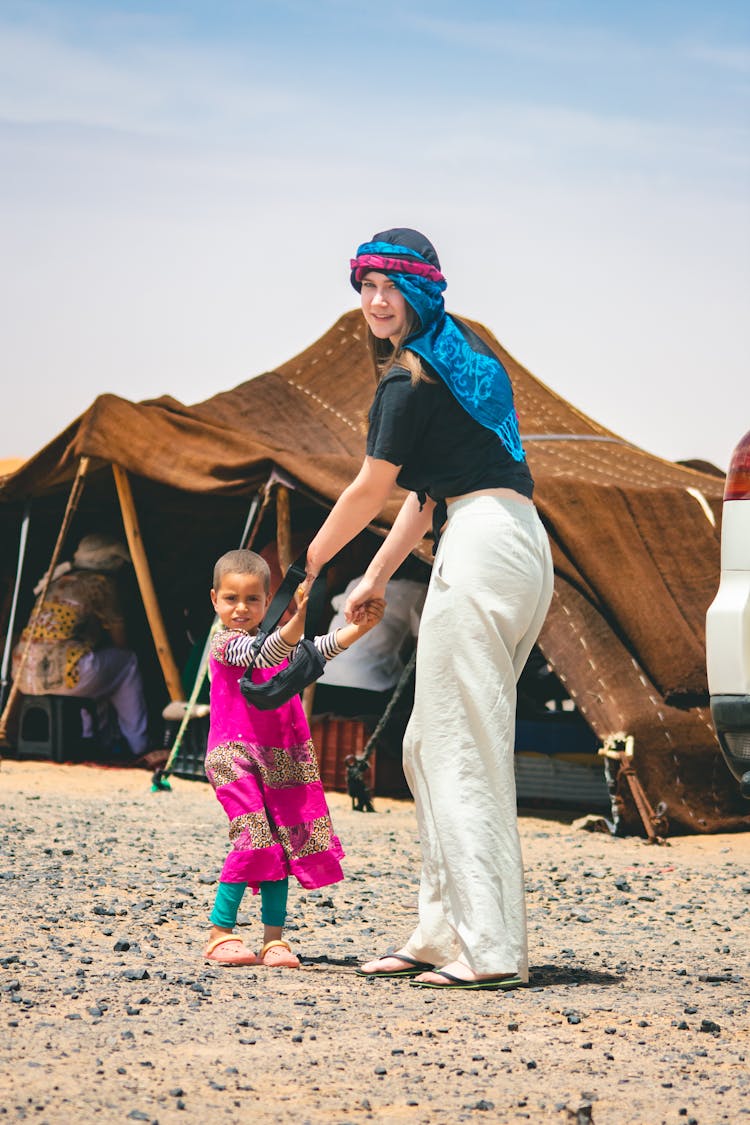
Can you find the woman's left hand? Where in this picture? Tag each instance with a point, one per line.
(366, 591)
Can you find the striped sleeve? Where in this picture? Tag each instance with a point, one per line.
(238, 649)
(274, 649)
(328, 646)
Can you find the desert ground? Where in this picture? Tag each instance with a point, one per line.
(638, 1010)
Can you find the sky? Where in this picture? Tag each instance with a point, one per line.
(182, 185)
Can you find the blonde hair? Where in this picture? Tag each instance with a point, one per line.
(385, 355)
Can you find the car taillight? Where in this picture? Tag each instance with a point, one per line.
(737, 485)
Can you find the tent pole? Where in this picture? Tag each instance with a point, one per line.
(251, 523)
(284, 552)
(145, 584)
(75, 494)
(14, 604)
(283, 528)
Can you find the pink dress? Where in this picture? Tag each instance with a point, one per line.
(263, 768)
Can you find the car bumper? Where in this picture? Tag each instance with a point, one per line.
(731, 716)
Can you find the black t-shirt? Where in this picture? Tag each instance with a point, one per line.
(443, 451)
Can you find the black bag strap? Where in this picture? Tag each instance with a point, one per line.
(285, 593)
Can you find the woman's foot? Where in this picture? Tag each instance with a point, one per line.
(278, 955)
(458, 975)
(393, 965)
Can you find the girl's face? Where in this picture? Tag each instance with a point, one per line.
(241, 601)
(384, 306)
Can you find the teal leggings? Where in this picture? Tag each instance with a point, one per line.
(273, 899)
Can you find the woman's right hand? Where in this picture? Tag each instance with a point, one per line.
(311, 573)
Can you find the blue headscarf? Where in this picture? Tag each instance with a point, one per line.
(470, 370)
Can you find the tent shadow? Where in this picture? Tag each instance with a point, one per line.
(547, 976)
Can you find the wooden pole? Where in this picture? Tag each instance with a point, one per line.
(75, 494)
(283, 528)
(146, 585)
(284, 552)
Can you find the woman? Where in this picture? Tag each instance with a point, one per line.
(442, 425)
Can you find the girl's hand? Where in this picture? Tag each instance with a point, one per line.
(292, 631)
(372, 613)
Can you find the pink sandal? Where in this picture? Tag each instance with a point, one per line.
(278, 955)
(237, 954)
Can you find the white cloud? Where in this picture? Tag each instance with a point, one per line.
(178, 89)
(735, 58)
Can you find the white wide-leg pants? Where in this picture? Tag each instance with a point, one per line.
(489, 593)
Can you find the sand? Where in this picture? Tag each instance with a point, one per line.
(638, 1010)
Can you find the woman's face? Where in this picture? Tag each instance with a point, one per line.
(384, 306)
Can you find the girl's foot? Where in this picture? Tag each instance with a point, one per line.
(278, 955)
(228, 949)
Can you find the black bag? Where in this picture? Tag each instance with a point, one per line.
(306, 664)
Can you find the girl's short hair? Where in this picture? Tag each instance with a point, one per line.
(242, 562)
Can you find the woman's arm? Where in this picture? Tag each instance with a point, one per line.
(355, 508)
(409, 528)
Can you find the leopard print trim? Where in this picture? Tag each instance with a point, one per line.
(308, 838)
(279, 767)
(251, 832)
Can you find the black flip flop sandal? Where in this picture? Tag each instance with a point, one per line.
(487, 984)
(413, 968)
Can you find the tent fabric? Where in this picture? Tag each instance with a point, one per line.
(635, 538)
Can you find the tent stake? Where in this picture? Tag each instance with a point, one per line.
(75, 495)
(619, 748)
(146, 585)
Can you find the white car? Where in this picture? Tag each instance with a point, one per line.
(728, 623)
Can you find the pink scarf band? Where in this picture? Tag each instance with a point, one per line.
(366, 262)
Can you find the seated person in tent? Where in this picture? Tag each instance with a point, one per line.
(76, 643)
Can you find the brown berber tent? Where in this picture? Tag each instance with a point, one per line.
(635, 541)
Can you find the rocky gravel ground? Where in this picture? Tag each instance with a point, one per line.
(638, 1009)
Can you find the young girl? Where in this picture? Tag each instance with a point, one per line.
(262, 765)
